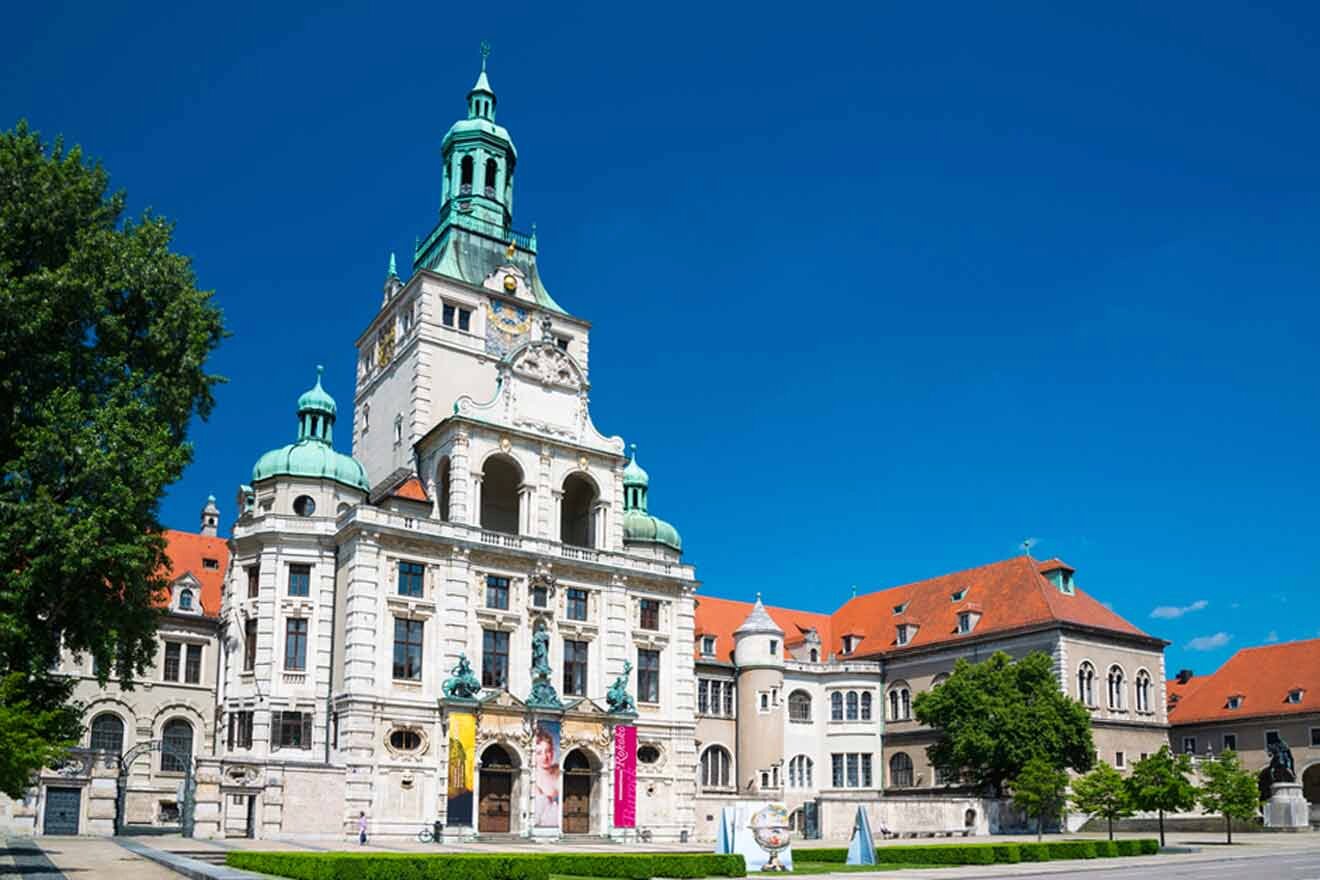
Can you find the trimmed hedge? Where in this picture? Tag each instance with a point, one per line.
(1106, 849)
(481, 866)
(985, 853)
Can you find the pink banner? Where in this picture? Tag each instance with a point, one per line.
(625, 776)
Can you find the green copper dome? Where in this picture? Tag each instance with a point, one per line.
(314, 454)
(639, 526)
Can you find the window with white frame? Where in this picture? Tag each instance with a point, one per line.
(1143, 691)
(716, 766)
(799, 706)
(799, 772)
(715, 697)
(900, 703)
(1086, 683)
(1116, 688)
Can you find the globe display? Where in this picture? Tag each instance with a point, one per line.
(770, 830)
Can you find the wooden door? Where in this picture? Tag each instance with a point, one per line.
(577, 802)
(496, 799)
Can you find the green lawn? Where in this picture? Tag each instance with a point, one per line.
(801, 867)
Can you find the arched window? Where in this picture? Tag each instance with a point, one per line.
(799, 706)
(852, 705)
(577, 513)
(1086, 683)
(866, 705)
(1115, 687)
(186, 600)
(442, 488)
(939, 680)
(799, 772)
(500, 484)
(716, 765)
(466, 178)
(900, 770)
(900, 703)
(1143, 691)
(108, 733)
(177, 735)
(815, 656)
(836, 706)
(492, 169)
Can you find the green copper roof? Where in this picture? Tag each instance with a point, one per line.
(639, 527)
(394, 271)
(633, 474)
(314, 454)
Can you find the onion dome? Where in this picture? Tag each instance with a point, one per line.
(639, 527)
(314, 454)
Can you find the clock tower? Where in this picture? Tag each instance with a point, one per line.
(474, 295)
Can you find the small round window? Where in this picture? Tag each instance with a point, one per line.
(648, 754)
(303, 505)
(406, 740)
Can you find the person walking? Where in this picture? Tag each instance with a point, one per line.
(362, 828)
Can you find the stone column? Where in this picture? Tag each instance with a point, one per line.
(475, 513)
(556, 515)
(526, 515)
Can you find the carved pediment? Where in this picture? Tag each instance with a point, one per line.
(544, 362)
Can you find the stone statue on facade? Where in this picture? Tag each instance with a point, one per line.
(1281, 766)
(463, 684)
(543, 694)
(618, 701)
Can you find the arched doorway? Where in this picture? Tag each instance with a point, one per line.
(577, 524)
(1311, 790)
(500, 482)
(578, 777)
(495, 786)
(173, 757)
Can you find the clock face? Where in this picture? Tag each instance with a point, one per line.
(509, 319)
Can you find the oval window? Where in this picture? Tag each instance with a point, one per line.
(406, 740)
(648, 754)
(303, 505)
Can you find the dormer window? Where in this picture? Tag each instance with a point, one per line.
(708, 646)
(960, 595)
(211, 564)
(1235, 701)
(186, 600)
(903, 634)
(849, 642)
(965, 622)
(899, 609)
(1062, 578)
(1295, 696)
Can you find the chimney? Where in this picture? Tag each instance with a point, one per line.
(1184, 676)
(210, 517)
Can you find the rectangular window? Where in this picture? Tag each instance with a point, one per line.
(728, 699)
(249, 644)
(866, 771)
(291, 730)
(836, 764)
(447, 313)
(240, 729)
(1315, 737)
(562, 342)
(300, 580)
(494, 658)
(254, 581)
(575, 668)
(852, 770)
(1119, 760)
(410, 579)
(964, 622)
(192, 668)
(295, 643)
(1189, 745)
(902, 634)
(464, 319)
(497, 592)
(648, 676)
(577, 604)
(765, 701)
(708, 646)
(1230, 741)
(539, 596)
(173, 650)
(703, 696)
(847, 644)
(649, 616)
(774, 647)
(408, 649)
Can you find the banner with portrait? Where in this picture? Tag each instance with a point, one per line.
(546, 777)
(625, 776)
(462, 761)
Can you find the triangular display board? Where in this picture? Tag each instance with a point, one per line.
(861, 848)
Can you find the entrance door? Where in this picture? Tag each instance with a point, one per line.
(250, 827)
(496, 798)
(62, 808)
(577, 794)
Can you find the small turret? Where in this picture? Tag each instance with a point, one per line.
(758, 656)
(210, 517)
(392, 283)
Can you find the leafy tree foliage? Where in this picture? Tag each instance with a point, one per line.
(37, 726)
(1040, 790)
(996, 715)
(102, 352)
(1160, 782)
(1102, 792)
(1229, 790)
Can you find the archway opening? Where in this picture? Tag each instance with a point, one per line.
(495, 784)
(576, 518)
(1311, 789)
(442, 487)
(499, 494)
(578, 778)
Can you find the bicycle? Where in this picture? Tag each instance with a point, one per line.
(428, 834)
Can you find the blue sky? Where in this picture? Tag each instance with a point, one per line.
(879, 291)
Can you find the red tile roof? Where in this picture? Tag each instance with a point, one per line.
(1263, 676)
(720, 617)
(411, 489)
(187, 552)
(1010, 595)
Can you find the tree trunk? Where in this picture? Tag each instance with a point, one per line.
(1228, 827)
(1161, 828)
(1040, 827)
(1111, 827)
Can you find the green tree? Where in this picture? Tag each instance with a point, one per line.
(1160, 783)
(1102, 792)
(102, 352)
(995, 716)
(1229, 790)
(1040, 790)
